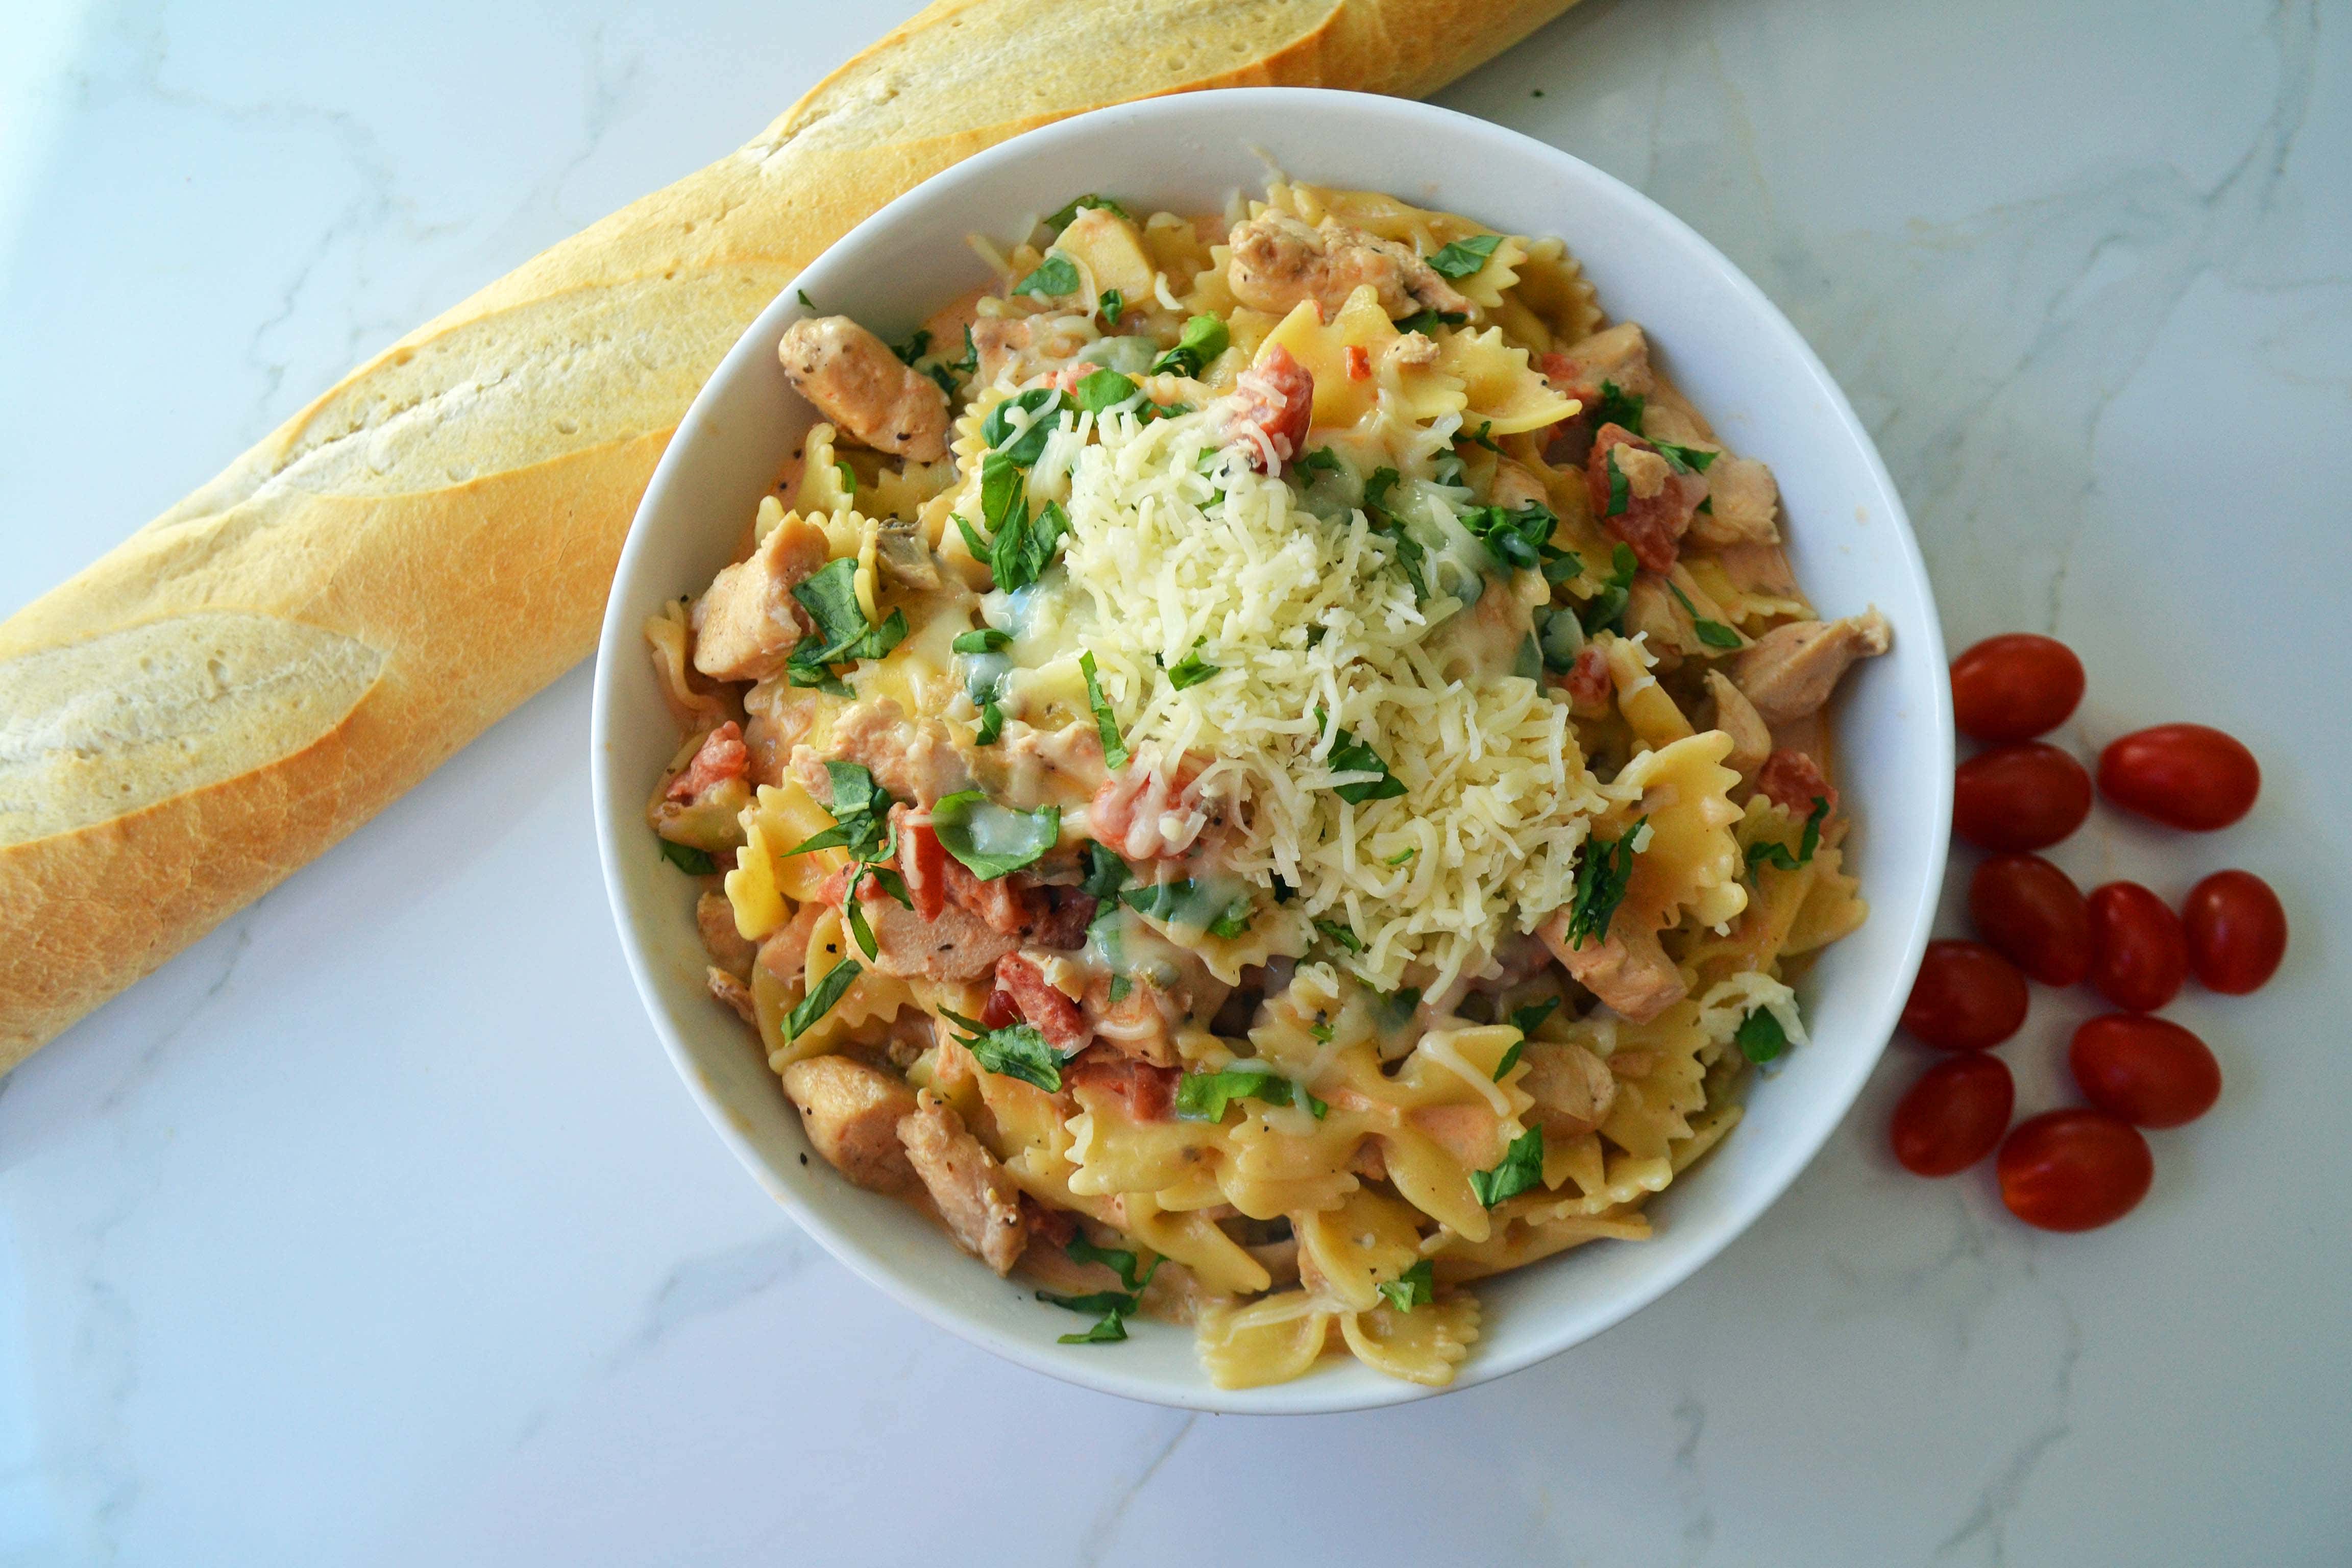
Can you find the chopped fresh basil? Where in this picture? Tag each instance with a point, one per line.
(1409, 551)
(1602, 873)
(1110, 1329)
(1606, 609)
(1760, 1038)
(992, 724)
(830, 597)
(860, 807)
(1067, 215)
(1517, 539)
(1106, 722)
(1349, 755)
(819, 1002)
(861, 931)
(1560, 637)
(1401, 855)
(802, 295)
(1521, 1168)
(1192, 669)
(1482, 438)
(1342, 933)
(1056, 275)
(1104, 390)
(1206, 1096)
(1016, 1050)
(992, 839)
(1713, 634)
(981, 639)
(1113, 305)
(944, 380)
(1524, 1019)
(1414, 1288)
(1118, 1259)
(914, 348)
(1115, 1306)
(1769, 853)
(849, 477)
(1020, 547)
(1618, 407)
(1510, 1059)
(1621, 490)
(1446, 469)
(1425, 322)
(1106, 872)
(1043, 404)
(1685, 459)
(1465, 256)
(687, 858)
(1190, 903)
(1322, 461)
(970, 364)
(1202, 340)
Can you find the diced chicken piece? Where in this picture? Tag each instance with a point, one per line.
(979, 1201)
(1742, 502)
(1618, 356)
(1628, 970)
(1515, 487)
(955, 945)
(1149, 1091)
(1761, 569)
(1279, 261)
(1140, 1024)
(1270, 408)
(858, 383)
(1658, 503)
(721, 757)
(1151, 811)
(1793, 782)
(714, 917)
(1573, 1088)
(746, 624)
(782, 716)
(783, 954)
(852, 1114)
(730, 990)
(1737, 716)
(1412, 351)
(914, 759)
(1792, 670)
(1055, 1014)
(1651, 608)
(1001, 343)
(1065, 764)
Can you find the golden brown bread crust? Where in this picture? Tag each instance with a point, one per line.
(447, 516)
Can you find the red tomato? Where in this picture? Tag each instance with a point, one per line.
(2026, 796)
(2033, 912)
(2237, 932)
(2075, 1169)
(2140, 954)
(1966, 997)
(2183, 775)
(2014, 687)
(1953, 1116)
(2149, 1071)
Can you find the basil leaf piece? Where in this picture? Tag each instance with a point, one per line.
(1409, 553)
(1769, 853)
(1118, 1259)
(981, 639)
(1064, 218)
(1342, 933)
(1104, 390)
(853, 914)
(1206, 1096)
(1521, 1168)
(830, 597)
(1092, 1301)
(1401, 855)
(1685, 459)
(1110, 1330)
(1043, 404)
(1322, 461)
(1465, 256)
(1510, 1059)
(1482, 438)
(1192, 669)
(914, 348)
(819, 1002)
(1112, 304)
(1713, 634)
(992, 724)
(1016, 1050)
(1516, 539)
(1416, 1287)
(1106, 872)
(1762, 1037)
(1616, 407)
(1602, 873)
(1055, 277)
(1426, 321)
(1190, 903)
(1621, 490)
(970, 364)
(992, 839)
(1202, 340)
(687, 858)
(802, 295)
(1349, 755)
(1106, 722)
(1606, 609)
(1524, 1019)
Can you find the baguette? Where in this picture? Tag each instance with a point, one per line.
(260, 670)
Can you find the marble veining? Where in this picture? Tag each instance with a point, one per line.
(374, 1229)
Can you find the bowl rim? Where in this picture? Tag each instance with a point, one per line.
(620, 638)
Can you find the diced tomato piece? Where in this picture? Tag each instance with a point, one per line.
(1001, 1011)
(1360, 362)
(1587, 682)
(922, 862)
(1274, 401)
(1056, 1016)
(1150, 1091)
(1653, 524)
(723, 756)
(1792, 781)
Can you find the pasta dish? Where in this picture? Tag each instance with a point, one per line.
(1261, 770)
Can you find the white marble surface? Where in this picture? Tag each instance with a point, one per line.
(374, 1229)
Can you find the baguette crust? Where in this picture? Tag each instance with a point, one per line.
(266, 664)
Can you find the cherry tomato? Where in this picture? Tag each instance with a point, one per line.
(2149, 1071)
(2140, 954)
(2033, 913)
(2183, 775)
(2074, 1169)
(2237, 932)
(2026, 796)
(2014, 687)
(1953, 1116)
(1966, 997)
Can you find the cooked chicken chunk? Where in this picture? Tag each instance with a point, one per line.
(731, 989)
(1279, 261)
(1742, 500)
(714, 917)
(1629, 969)
(852, 1112)
(1619, 355)
(858, 383)
(1737, 716)
(746, 624)
(1573, 1088)
(979, 1202)
(956, 945)
(1516, 486)
(914, 760)
(1792, 670)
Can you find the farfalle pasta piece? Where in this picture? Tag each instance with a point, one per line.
(1272, 1341)
(873, 998)
(1350, 360)
(825, 484)
(1552, 288)
(780, 818)
(1424, 1345)
(1502, 395)
(1345, 1254)
(1691, 863)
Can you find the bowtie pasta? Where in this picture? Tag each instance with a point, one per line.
(1261, 771)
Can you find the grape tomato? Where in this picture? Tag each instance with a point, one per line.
(2015, 687)
(2033, 915)
(1966, 997)
(2075, 1169)
(2183, 775)
(1954, 1116)
(2139, 953)
(2149, 1071)
(2026, 796)
(2237, 932)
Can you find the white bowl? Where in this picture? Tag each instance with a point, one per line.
(1735, 356)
